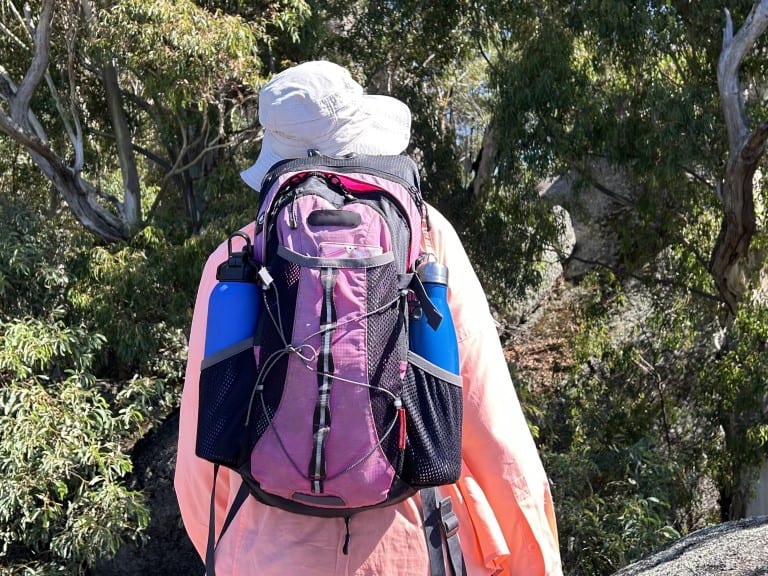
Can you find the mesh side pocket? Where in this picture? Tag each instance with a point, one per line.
(225, 393)
(433, 400)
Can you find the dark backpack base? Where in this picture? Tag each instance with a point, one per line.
(400, 491)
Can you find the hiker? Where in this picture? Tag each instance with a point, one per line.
(502, 500)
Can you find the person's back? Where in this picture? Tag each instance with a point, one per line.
(502, 500)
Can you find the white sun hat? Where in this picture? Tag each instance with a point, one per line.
(318, 106)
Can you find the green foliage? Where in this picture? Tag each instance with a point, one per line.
(140, 296)
(178, 49)
(229, 203)
(61, 459)
(505, 243)
(607, 513)
(68, 416)
(64, 435)
(633, 84)
(63, 446)
(32, 346)
(624, 482)
(648, 418)
(732, 391)
(32, 278)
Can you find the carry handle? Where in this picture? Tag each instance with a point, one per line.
(239, 266)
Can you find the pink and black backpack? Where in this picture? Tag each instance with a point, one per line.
(326, 411)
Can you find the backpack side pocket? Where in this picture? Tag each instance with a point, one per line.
(432, 398)
(227, 381)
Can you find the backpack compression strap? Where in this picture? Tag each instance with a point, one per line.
(441, 525)
(210, 552)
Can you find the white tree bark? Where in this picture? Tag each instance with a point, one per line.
(485, 164)
(101, 214)
(746, 148)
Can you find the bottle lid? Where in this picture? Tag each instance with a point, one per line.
(431, 271)
(239, 266)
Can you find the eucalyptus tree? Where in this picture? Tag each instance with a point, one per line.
(673, 94)
(435, 57)
(639, 84)
(109, 97)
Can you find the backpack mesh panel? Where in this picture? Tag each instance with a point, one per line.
(285, 288)
(386, 348)
(225, 389)
(433, 454)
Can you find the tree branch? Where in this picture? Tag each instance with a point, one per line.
(38, 66)
(9, 33)
(668, 282)
(485, 163)
(124, 145)
(19, 122)
(735, 48)
(7, 92)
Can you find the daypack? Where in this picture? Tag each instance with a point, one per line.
(326, 411)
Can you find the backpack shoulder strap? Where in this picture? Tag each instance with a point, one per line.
(441, 526)
(210, 552)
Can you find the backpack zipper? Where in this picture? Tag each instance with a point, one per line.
(413, 191)
(290, 192)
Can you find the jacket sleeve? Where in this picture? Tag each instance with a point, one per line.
(193, 480)
(498, 448)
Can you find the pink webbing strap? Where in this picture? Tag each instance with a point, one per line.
(426, 232)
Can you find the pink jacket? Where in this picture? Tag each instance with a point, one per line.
(502, 500)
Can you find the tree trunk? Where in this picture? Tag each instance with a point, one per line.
(728, 261)
(485, 164)
(729, 264)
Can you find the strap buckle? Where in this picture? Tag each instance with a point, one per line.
(449, 522)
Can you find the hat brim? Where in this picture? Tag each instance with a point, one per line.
(384, 130)
(268, 157)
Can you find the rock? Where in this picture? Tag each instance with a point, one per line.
(168, 551)
(526, 309)
(738, 548)
(595, 212)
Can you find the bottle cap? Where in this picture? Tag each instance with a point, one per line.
(431, 271)
(239, 266)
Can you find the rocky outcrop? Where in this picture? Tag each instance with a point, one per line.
(738, 548)
(596, 210)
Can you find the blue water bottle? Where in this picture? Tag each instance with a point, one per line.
(234, 304)
(438, 344)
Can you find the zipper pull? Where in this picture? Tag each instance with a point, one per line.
(345, 548)
(335, 183)
(292, 211)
